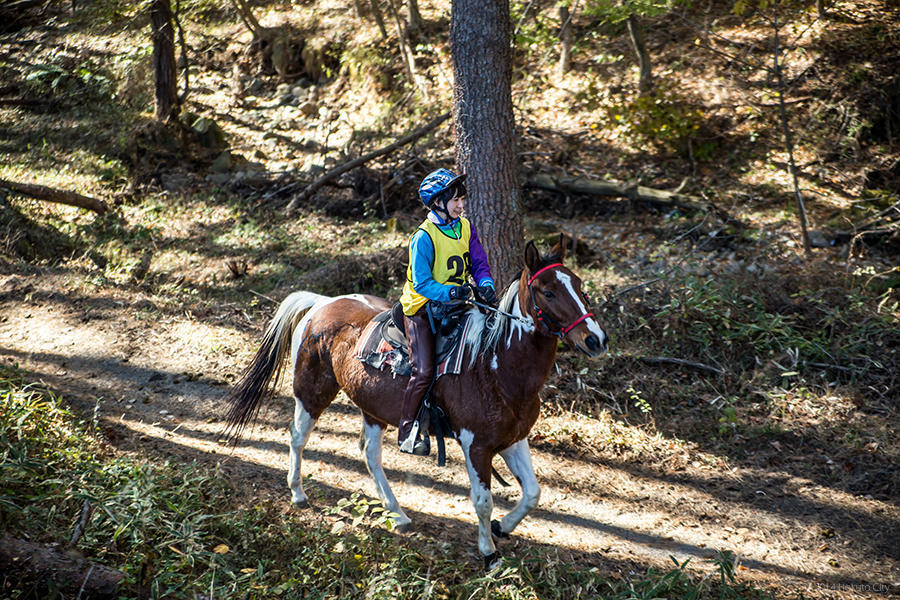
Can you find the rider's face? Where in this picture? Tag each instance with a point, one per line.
(456, 206)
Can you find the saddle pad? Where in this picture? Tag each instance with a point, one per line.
(378, 346)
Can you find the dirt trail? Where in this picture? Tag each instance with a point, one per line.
(161, 378)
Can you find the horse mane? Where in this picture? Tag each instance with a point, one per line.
(486, 331)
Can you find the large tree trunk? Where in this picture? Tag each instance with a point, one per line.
(636, 31)
(485, 142)
(164, 60)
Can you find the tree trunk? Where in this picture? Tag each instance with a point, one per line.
(248, 18)
(636, 31)
(379, 18)
(416, 24)
(565, 41)
(788, 141)
(164, 60)
(406, 49)
(485, 134)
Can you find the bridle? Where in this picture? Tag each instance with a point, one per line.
(549, 322)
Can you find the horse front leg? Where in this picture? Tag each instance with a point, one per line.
(370, 443)
(301, 426)
(518, 459)
(478, 465)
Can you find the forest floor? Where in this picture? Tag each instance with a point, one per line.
(783, 446)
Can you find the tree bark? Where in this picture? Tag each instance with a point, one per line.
(416, 23)
(788, 141)
(53, 195)
(164, 60)
(485, 136)
(565, 41)
(636, 32)
(248, 18)
(31, 563)
(379, 18)
(406, 49)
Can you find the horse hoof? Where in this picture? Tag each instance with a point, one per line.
(492, 561)
(402, 527)
(300, 505)
(497, 532)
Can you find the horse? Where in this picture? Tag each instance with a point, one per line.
(490, 406)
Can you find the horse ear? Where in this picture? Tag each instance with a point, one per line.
(532, 257)
(559, 250)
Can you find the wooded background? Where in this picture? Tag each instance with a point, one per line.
(727, 174)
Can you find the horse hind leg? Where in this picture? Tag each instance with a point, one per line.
(370, 443)
(314, 389)
(518, 459)
(301, 427)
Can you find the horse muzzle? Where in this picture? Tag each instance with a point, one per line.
(593, 344)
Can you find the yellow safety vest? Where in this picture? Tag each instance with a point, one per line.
(452, 263)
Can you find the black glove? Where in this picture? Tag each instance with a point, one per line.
(459, 292)
(487, 293)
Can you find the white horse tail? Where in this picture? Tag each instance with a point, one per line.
(260, 379)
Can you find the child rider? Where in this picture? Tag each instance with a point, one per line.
(443, 252)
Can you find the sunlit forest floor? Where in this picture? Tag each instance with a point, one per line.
(748, 403)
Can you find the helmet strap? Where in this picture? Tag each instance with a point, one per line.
(440, 209)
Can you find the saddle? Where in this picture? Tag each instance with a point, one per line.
(383, 341)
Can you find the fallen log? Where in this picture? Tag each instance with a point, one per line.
(341, 169)
(666, 360)
(878, 225)
(22, 102)
(32, 563)
(594, 187)
(48, 194)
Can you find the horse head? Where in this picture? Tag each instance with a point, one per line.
(557, 303)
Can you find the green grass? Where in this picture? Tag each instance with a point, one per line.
(179, 530)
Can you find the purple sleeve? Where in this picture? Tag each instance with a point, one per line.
(481, 271)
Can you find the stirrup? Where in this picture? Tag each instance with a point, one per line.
(414, 444)
(418, 447)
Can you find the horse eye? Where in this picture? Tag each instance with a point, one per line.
(549, 294)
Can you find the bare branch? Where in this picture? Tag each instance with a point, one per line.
(58, 196)
(341, 169)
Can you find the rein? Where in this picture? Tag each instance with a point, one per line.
(547, 320)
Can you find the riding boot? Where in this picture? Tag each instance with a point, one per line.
(421, 357)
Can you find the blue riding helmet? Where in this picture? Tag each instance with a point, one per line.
(437, 185)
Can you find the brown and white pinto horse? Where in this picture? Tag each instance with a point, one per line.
(491, 406)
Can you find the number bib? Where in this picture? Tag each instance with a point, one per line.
(452, 263)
